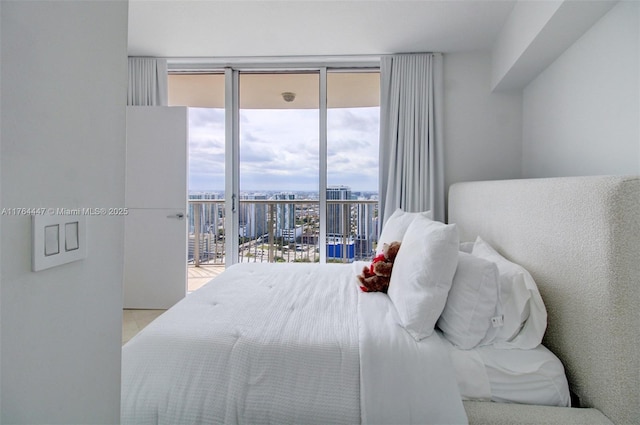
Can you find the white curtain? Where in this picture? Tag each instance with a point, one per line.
(411, 145)
(147, 82)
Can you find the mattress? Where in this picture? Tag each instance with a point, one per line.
(286, 343)
(534, 376)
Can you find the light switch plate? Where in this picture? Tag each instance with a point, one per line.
(57, 239)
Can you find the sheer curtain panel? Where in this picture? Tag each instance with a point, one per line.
(411, 145)
(147, 82)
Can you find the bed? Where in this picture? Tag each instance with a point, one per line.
(580, 239)
(284, 343)
(301, 343)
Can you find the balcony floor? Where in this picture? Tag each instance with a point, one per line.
(198, 276)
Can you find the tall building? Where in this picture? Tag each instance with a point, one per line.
(210, 215)
(253, 216)
(364, 220)
(210, 224)
(338, 216)
(366, 231)
(285, 215)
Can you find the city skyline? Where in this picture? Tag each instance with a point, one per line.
(273, 193)
(279, 226)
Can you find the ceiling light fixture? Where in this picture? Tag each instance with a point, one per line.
(288, 96)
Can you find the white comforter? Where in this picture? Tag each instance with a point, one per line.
(294, 343)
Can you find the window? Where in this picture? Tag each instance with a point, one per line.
(305, 171)
(353, 123)
(204, 95)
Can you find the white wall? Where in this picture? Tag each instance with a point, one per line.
(580, 115)
(536, 34)
(0, 208)
(64, 77)
(482, 130)
(526, 21)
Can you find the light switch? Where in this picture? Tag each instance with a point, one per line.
(57, 240)
(51, 240)
(71, 236)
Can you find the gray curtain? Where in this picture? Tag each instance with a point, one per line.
(147, 82)
(411, 146)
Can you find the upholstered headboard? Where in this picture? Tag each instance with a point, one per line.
(579, 237)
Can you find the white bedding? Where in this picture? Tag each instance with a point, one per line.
(276, 343)
(533, 376)
(403, 380)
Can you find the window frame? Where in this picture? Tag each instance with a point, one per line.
(232, 69)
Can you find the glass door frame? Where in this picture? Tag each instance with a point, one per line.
(232, 158)
(232, 165)
(232, 126)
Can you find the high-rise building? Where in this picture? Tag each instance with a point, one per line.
(338, 215)
(209, 214)
(366, 231)
(211, 223)
(364, 220)
(253, 216)
(285, 215)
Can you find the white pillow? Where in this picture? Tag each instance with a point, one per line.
(471, 303)
(524, 313)
(396, 226)
(466, 247)
(422, 274)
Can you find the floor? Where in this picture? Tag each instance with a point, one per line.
(198, 276)
(133, 321)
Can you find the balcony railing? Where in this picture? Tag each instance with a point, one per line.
(283, 231)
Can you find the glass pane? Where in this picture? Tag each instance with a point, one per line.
(353, 123)
(279, 166)
(204, 95)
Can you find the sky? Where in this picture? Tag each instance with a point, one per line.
(279, 149)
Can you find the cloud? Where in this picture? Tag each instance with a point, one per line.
(206, 118)
(354, 119)
(279, 149)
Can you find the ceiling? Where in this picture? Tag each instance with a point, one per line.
(272, 28)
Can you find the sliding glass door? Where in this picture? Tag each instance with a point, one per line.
(204, 94)
(299, 177)
(279, 166)
(353, 123)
